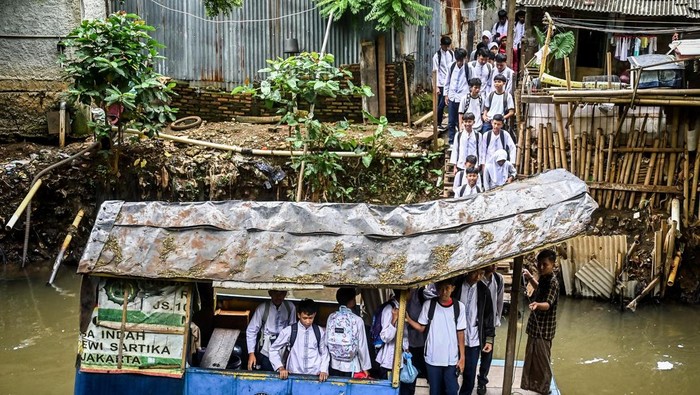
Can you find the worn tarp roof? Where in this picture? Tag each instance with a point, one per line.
(335, 244)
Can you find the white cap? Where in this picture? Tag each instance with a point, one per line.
(492, 45)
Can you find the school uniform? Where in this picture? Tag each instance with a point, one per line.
(494, 143)
(509, 74)
(441, 346)
(461, 187)
(385, 355)
(456, 88)
(482, 72)
(465, 143)
(361, 361)
(496, 175)
(495, 286)
(441, 63)
(474, 105)
(278, 318)
(496, 103)
(305, 356)
(501, 29)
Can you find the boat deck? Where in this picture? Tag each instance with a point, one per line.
(495, 386)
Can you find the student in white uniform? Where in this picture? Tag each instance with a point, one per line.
(442, 60)
(471, 186)
(473, 103)
(346, 340)
(466, 143)
(385, 355)
(501, 27)
(267, 322)
(499, 171)
(304, 340)
(497, 102)
(445, 321)
(456, 88)
(481, 69)
(496, 139)
(503, 69)
(494, 281)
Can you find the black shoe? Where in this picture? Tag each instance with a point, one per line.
(481, 389)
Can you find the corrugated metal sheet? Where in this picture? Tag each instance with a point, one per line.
(427, 43)
(335, 244)
(198, 49)
(603, 249)
(597, 278)
(679, 8)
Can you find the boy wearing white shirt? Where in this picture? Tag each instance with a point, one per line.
(470, 186)
(304, 340)
(517, 40)
(501, 27)
(442, 60)
(385, 355)
(503, 69)
(481, 69)
(268, 320)
(499, 171)
(496, 139)
(497, 102)
(466, 143)
(473, 103)
(345, 340)
(456, 88)
(445, 321)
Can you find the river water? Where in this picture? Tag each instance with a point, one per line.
(597, 350)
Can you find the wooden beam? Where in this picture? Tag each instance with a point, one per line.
(512, 325)
(634, 187)
(536, 99)
(435, 109)
(398, 351)
(381, 74)
(368, 76)
(649, 150)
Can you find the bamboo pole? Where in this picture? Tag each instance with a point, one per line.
(545, 48)
(670, 252)
(400, 324)
(696, 173)
(545, 146)
(540, 147)
(511, 348)
(670, 175)
(581, 155)
(520, 147)
(674, 270)
(66, 242)
(608, 68)
(637, 167)
(560, 131)
(552, 152)
(686, 189)
(659, 172)
(608, 171)
(621, 170)
(596, 146)
(528, 143)
(406, 94)
(650, 168)
(609, 195)
(633, 304)
(435, 109)
(560, 92)
(557, 151)
(572, 141)
(11, 223)
(587, 164)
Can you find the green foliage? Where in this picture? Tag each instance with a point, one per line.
(562, 44)
(110, 64)
(384, 13)
(487, 4)
(221, 7)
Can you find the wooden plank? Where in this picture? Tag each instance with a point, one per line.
(634, 188)
(368, 76)
(646, 150)
(512, 326)
(219, 348)
(381, 74)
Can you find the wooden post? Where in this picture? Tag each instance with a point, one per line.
(545, 48)
(696, 173)
(381, 74)
(671, 174)
(520, 147)
(435, 109)
(368, 76)
(608, 68)
(512, 325)
(526, 165)
(572, 140)
(540, 147)
(398, 351)
(567, 72)
(560, 130)
(406, 94)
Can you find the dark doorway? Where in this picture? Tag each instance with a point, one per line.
(591, 49)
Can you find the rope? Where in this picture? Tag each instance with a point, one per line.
(232, 20)
(633, 30)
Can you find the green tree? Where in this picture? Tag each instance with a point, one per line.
(386, 14)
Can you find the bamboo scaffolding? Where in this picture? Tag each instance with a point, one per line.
(650, 168)
(630, 158)
(587, 165)
(611, 200)
(637, 167)
(540, 147)
(527, 142)
(673, 157)
(659, 172)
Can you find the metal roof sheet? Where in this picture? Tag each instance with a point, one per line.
(335, 244)
(650, 8)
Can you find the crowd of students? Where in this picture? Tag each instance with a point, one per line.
(450, 326)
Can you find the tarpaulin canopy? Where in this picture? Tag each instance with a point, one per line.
(335, 244)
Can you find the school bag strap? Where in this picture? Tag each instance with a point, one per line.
(503, 143)
(295, 330)
(266, 313)
(431, 314)
(439, 56)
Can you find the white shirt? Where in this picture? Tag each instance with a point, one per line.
(494, 103)
(496, 290)
(446, 59)
(362, 360)
(502, 29)
(508, 73)
(441, 346)
(469, 298)
(465, 144)
(482, 72)
(519, 34)
(277, 318)
(306, 355)
(494, 145)
(457, 86)
(474, 105)
(385, 355)
(461, 186)
(496, 175)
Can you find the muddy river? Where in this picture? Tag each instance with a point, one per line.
(597, 350)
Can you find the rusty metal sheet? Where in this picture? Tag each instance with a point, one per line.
(679, 8)
(335, 244)
(597, 278)
(603, 249)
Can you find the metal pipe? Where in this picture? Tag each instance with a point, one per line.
(328, 33)
(23, 205)
(71, 230)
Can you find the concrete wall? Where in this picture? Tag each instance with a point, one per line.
(30, 76)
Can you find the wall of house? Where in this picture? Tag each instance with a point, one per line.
(30, 76)
(216, 105)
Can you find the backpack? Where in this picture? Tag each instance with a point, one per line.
(464, 188)
(376, 328)
(439, 55)
(476, 138)
(295, 329)
(503, 142)
(342, 336)
(505, 101)
(488, 66)
(266, 313)
(431, 314)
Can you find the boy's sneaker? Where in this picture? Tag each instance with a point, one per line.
(481, 389)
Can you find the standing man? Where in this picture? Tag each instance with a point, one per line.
(482, 70)
(501, 27)
(268, 321)
(456, 88)
(542, 324)
(442, 60)
(519, 31)
(494, 281)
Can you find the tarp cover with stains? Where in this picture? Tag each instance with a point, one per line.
(335, 244)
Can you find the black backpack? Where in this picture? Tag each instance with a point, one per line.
(457, 138)
(464, 188)
(467, 73)
(505, 101)
(295, 329)
(431, 314)
(439, 55)
(503, 142)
